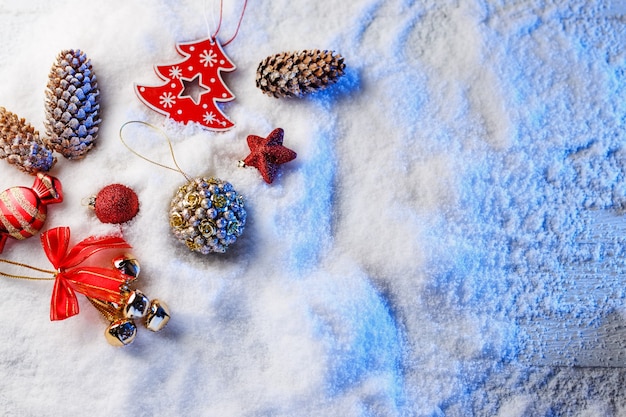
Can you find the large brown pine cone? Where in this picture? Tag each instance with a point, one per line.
(294, 74)
(72, 105)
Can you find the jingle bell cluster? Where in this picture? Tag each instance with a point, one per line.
(134, 305)
(108, 287)
(207, 215)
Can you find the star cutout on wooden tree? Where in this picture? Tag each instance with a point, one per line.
(266, 154)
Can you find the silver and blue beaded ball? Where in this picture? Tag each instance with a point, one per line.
(207, 215)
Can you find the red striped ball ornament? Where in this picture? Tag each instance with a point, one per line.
(23, 210)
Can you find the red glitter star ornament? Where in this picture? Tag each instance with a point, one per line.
(266, 154)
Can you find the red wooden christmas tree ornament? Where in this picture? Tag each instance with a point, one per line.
(193, 87)
(23, 210)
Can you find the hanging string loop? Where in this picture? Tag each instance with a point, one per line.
(169, 143)
(220, 20)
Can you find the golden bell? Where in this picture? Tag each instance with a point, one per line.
(127, 266)
(158, 316)
(136, 306)
(121, 333)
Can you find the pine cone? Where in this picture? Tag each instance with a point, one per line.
(72, 105)
(20, 144)
(298, 73)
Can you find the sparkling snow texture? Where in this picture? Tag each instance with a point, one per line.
(442, 199)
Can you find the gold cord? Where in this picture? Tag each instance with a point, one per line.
(169, 143)
(4, 274)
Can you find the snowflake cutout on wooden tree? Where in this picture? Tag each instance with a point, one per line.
(193, 87)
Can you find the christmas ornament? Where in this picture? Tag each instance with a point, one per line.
(266, 154)
(122, 328)
(71, 123)
(107, 285)
(21, 145)
(72, 105)
(194, 86)
(115, 203)
(298, 73)
(23, 210)
(207, 215)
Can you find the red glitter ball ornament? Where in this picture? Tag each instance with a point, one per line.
(115, 203)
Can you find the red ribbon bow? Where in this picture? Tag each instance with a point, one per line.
(92, 281)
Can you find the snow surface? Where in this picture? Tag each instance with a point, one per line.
(442, 199)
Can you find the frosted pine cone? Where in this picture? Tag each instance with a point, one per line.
(298, 73)
(72, 105)
(21, 145)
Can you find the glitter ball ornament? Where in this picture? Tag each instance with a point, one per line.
(207, 215)
(115, 203)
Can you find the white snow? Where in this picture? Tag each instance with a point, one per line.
(449, 190)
